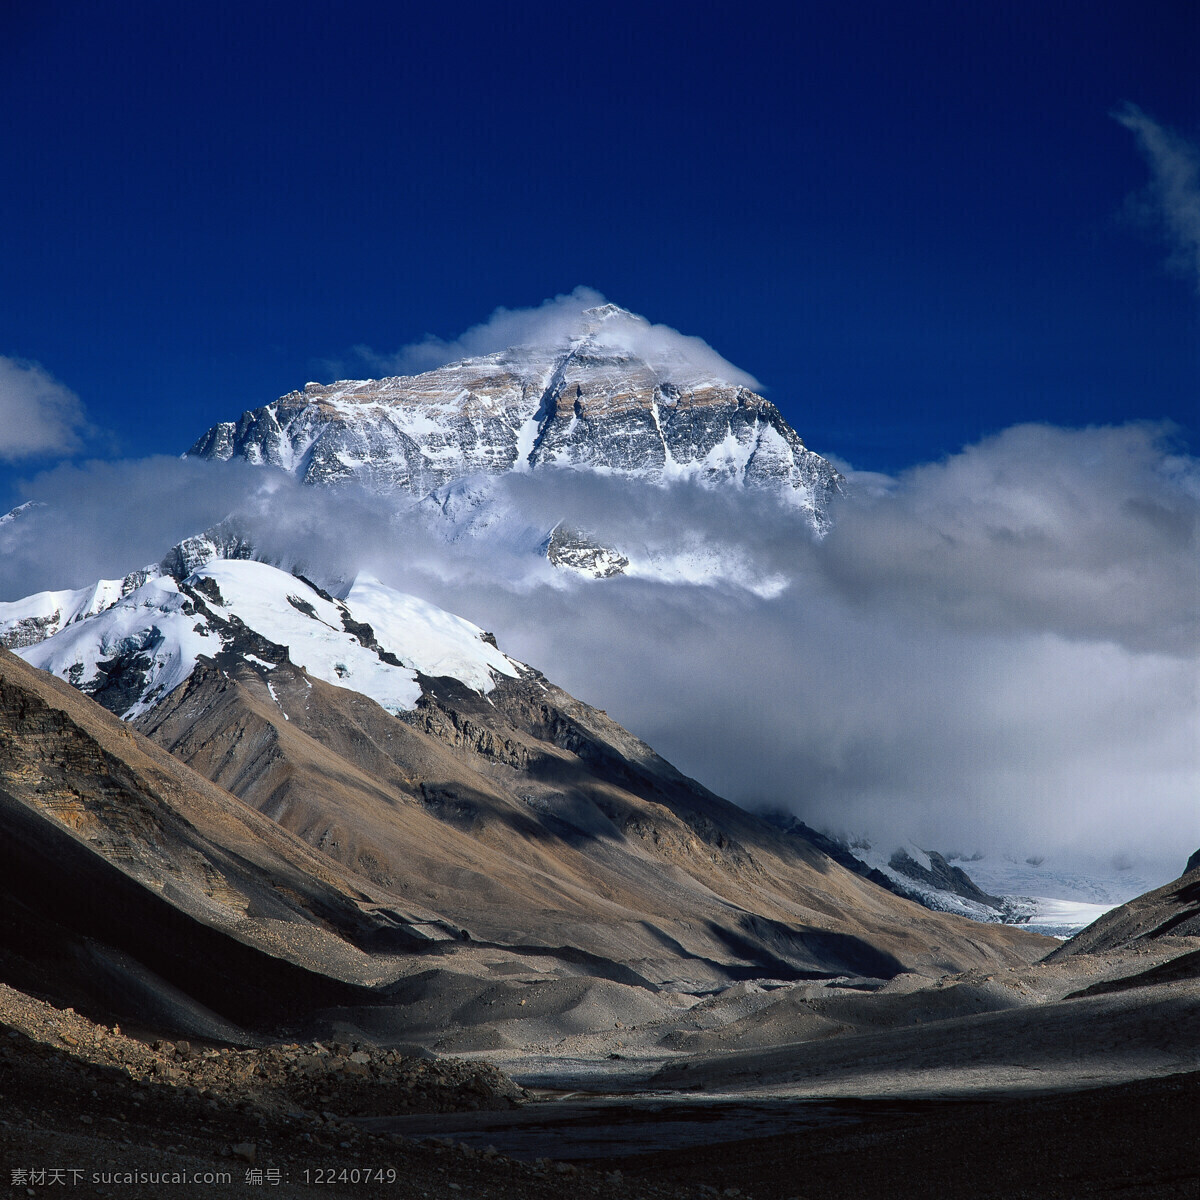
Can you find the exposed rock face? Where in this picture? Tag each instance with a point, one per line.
(577, 552)
(28, 631)
(1171, 911)
(587, 403)
(131, 885)
(221, 541)
(942, 875)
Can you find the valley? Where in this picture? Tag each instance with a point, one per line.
(874, 1019)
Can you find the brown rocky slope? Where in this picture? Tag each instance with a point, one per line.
(531, 821)
(396, 864)
(132, 885)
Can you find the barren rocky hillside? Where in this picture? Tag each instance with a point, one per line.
(533, 821)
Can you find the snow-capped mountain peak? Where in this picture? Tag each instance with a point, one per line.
(606, 312)
(608, 393)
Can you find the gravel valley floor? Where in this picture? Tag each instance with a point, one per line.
(1045, 1095)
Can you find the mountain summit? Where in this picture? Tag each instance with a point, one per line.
(606, 392)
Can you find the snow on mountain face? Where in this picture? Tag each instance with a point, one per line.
(429, 639)
(27, 622)
(140, 648)
(1054, 897)
(14, 515)
(603, 400)
(31, 620)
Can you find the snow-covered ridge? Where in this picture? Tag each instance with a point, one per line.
(29, 621)
(14, 514)
(607, 397)
(1049, 902)
(148, 641)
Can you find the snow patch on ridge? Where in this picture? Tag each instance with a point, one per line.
(427, 638)
(142, 645)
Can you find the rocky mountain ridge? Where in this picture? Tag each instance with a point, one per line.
(594, 400)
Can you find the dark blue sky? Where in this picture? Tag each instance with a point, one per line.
(906, 220)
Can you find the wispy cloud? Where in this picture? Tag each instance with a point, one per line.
(553, 323)
(39, 417)
(1174, 189)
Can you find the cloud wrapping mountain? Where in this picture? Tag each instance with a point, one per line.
(996, 650)
(552, 323)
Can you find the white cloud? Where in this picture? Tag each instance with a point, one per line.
(1090, 534)
(100, 520)
(1175, 183)
(1001, 650)
(556, 322)
(39, 417)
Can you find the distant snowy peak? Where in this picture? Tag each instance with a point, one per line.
(609, 397)
(136, 650)
(14, 515)
(1057, 901)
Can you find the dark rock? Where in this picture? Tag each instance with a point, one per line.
(942, 875)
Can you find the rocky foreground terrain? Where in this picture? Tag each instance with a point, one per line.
(92, 1108)
(88, 1108)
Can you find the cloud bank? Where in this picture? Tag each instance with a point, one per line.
(100, 520)
(554, 323)
(1174, 191)
(39, 417)
(999, 651)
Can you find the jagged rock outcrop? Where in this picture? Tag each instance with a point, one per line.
(577, 552)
